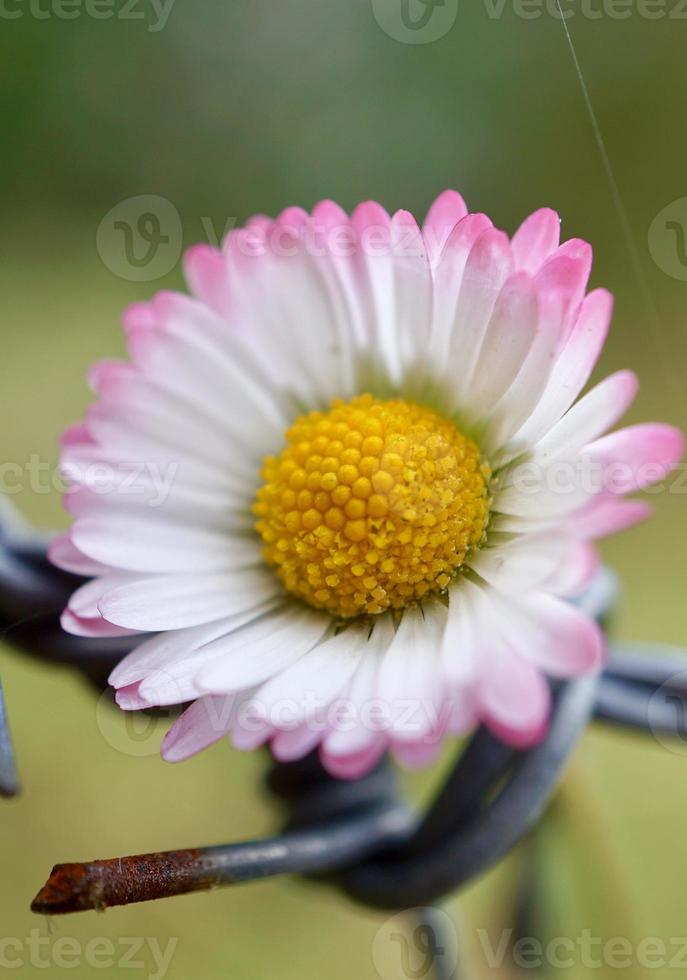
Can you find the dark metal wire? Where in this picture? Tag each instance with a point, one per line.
(645, 692)
(358, 836)
(9, 781)
(649, 664)
(421, 876)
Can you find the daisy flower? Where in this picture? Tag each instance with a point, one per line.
(348, 486)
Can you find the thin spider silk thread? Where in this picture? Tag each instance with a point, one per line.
(633, 252)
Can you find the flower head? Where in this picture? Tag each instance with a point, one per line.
(349, 487)
(373, 505)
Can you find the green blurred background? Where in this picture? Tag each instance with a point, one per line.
(234, 108)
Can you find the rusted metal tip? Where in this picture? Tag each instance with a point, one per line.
(61, 893)
(121, 881)
(9, 781)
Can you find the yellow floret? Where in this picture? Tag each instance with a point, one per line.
(371, 505)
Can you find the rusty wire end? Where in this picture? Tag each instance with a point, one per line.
(121, 881)
(324, 847)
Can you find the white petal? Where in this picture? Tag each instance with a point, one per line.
(130, 398)
(315, 680)
(358, 765)
(448, 278)
(125, 454)
(64, 553)
(232, 344)
(464, 632)
(488, 267)
(226, 388)
(286, 310)
(173, 602)
(82, 616)
(373, 228)
(95, 627)
(591, 417)
(140, 545)
(542, 493)
(514, 698)
(166, 649)
(573, 367)
(176, 681)
(412, 288)
(577, 570)
(359, 731)
(508, 339)
(522, 563)
(348, 270)
(205, 722)
(607, 515)
(549, 632)
(536, 239)
(84, 601)
(409, 680)
(517, 402)
(290, 745)
(444, 214)
(256, 652)
(97, 490)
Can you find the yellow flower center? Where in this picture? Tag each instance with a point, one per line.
(371, 505)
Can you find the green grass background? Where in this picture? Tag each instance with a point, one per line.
(233, 109)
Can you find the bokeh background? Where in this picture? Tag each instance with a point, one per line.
(228, 109)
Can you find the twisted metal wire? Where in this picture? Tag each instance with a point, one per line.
(359, 836)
